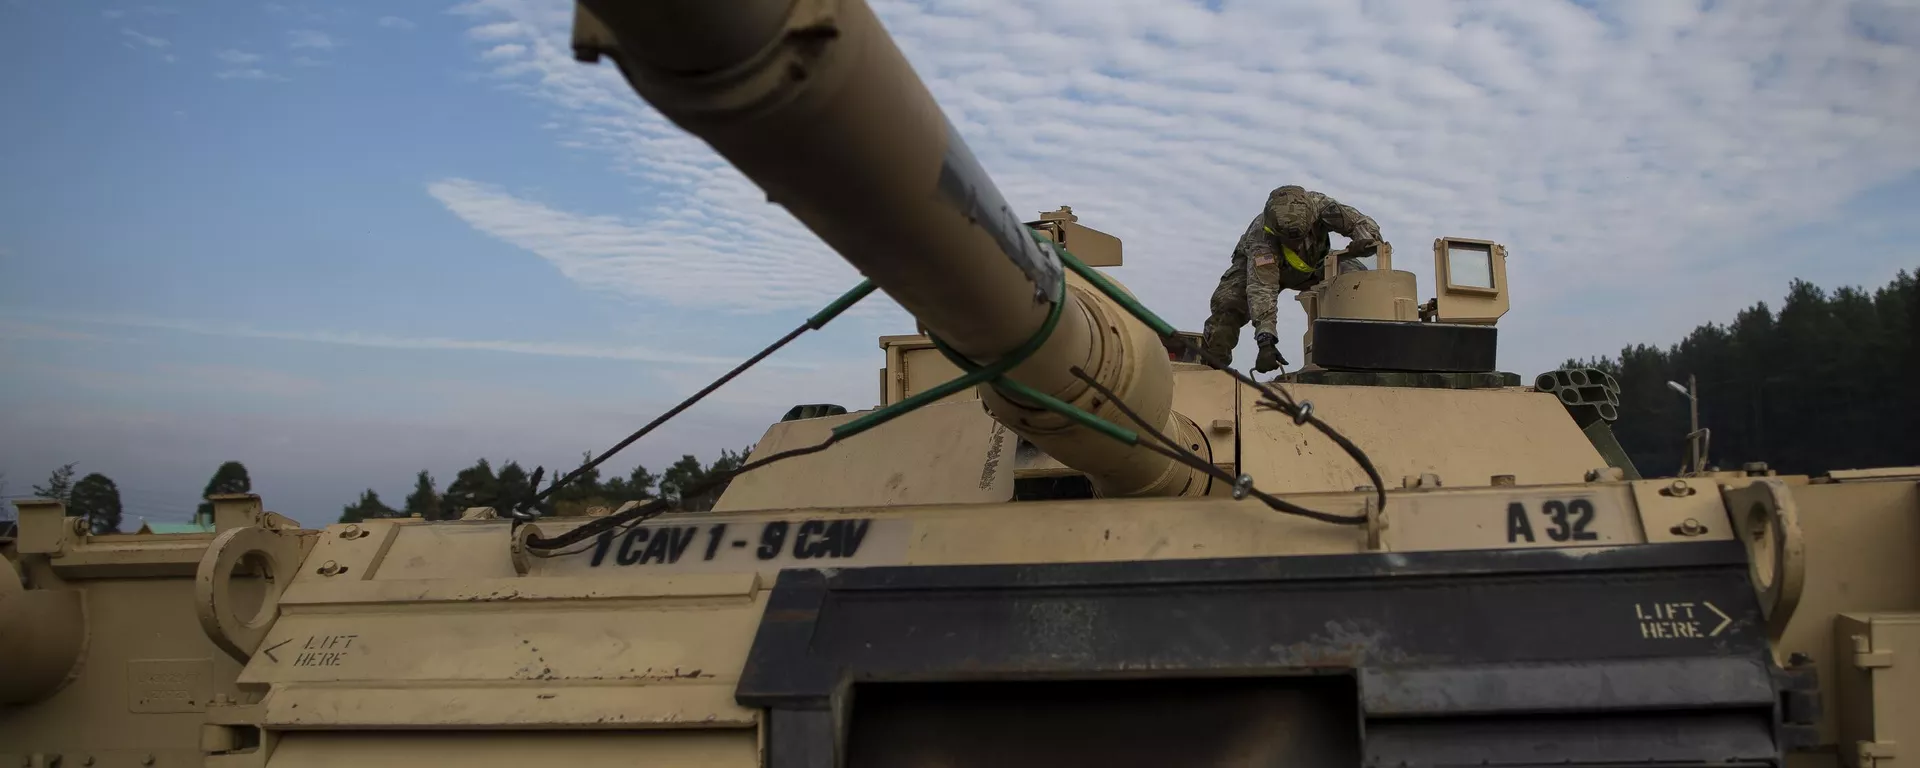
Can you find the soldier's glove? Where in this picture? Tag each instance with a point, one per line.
(1270, 357)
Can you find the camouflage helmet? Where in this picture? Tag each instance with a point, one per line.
(1288, 215)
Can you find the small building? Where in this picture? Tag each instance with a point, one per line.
(194, 527)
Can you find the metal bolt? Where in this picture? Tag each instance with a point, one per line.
(147, 759)
(86, 759)
(1689, 527)
(1679, 488)
(330, 568)
(352, 532)
(1242, 486)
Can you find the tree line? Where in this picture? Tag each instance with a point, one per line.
(96, 499)
(1827, 382)
(481, 485)
(1830, 381)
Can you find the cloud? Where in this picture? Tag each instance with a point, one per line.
(149, 40)
(653, 261)
(197, 378)
(586, 350)
(1625, 153)
(326, 13)
(240, 378)
(306, 61)
(232, 56)
(395, 22)
(505, 51)
(10, 329)
(112, 14)
(307, 38)
(250, 73)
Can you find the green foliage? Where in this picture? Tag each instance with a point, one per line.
(636, 486)
(481, 486)
(1826, 383)
(59, 485)
(680, 476)
(230, 477)
(474, 486)
(583, 489)
(424, 500)
(369, 507)
(512, 488)
(687, 474)
(97, 500)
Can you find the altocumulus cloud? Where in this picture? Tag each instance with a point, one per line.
(688, 259)
(1602, 144)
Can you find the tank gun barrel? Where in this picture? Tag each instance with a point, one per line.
(813, 101)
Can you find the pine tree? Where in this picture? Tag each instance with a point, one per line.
(424, 501)
(369, 507)
(1824, 383)
(231, 477)
(59, 485)
(474, 486)
(97, 500)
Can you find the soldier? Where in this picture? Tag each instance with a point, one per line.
(1281, 249)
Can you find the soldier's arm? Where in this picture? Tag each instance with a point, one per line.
(1349, 221)
(1263, 276)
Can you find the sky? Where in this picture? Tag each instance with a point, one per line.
(343, 242)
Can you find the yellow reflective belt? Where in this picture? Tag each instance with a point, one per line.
(1293, 259)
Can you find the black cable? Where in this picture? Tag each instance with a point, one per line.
(662, 418)
(1273, 398)
(1277, 398)
(1174, 451)
(520, 510)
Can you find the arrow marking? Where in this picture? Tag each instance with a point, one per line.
(1724, 618)
(276, 659)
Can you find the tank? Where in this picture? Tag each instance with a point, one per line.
(1395, 555)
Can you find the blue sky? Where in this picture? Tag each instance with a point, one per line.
(343, 242)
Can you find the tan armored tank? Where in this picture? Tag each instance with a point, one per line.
(1401, 557)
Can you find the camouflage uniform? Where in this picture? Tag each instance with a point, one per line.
(1294, 219)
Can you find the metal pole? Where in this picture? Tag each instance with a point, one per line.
(1693, 422)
